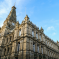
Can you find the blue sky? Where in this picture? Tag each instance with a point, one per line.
(43, 13)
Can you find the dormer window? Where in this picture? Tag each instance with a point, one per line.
(20, 32)
(32, 33)
(36, 35)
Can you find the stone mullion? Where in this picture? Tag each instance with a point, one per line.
(8, 39)
(22, 31)
(30, 31)
(9, 50)
(38, 35)
(41, 38)
(31, 45)
(16, 47)
(26, 29)
(16, 34)
(6, 50)
(3, 52)
(44, 50)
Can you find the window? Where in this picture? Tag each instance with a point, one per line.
(42, 50)
(33, 47)
(36, 35)
(20, 32)
(10, 38)
(13, 24)
(18, 46)
(48, 53)
(0, 57)
(16, 57)
(8, 49)
(38, 48)
(4, 51)
(40, 37)
(46, 42)
(32, 33)
(7, 39)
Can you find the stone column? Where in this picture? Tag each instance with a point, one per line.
(38, 35)
(41, 38)
(3, 52)
(6, 50)
(14, 47)
(16, 34)
(30, 31)
(26, 29)
(22, 31)
(21, 49)
(31, 45)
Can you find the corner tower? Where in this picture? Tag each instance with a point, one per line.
(11, 19)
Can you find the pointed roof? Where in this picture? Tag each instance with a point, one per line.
(41, 29)
(12, 15)
(26, 18)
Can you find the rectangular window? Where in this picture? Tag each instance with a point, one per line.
(40, 37)
(0, 57)
(34, 47)
(18, 47)
(20, 33)
(36, 35)
(16, 57)
(42, 50)
(32, 33)
(48, 53)
(38, 48)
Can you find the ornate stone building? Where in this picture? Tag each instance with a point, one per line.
(25, 40)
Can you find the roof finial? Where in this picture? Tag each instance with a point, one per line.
(25, 10)
(14, 3)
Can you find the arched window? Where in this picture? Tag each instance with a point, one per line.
(33, 33)
(20, 32)
(18, 46)
(33, 47)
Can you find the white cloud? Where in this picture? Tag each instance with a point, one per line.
(54, 33)
(50, 28)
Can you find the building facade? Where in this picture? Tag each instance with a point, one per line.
(25, 40)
